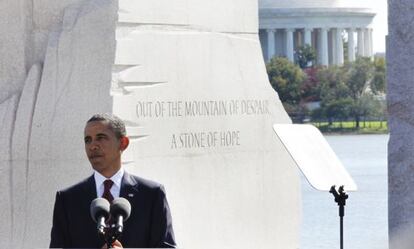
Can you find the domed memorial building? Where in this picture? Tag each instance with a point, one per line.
(286, 25)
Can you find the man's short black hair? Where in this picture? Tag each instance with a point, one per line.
(115, 123)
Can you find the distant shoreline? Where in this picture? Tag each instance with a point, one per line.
(355, 133)
(349, 127)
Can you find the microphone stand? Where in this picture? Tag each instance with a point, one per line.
(340, 198)
(110, 236)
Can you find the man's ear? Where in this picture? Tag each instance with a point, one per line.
(124, 143)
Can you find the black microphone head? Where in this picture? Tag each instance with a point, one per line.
(121, 206)
(99, 207)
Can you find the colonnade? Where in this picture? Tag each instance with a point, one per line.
(328, 43)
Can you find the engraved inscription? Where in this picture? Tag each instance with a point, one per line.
(202, 108)
(197, 108)
(207, 139)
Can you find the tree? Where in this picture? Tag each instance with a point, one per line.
(333, 93)
(318, 114)
(358, 75)
(379, 84)
(332, 84)
(311, 85)
(338, 109)
(305, 56)
(355, 89)
(287, 80)
(359, 78)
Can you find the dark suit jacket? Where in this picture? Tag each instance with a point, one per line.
(149, 224)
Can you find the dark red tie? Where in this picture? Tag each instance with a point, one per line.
(107, 193)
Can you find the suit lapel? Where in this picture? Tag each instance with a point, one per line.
(88, 225)
(128, 187)
(90, 189)
(129, 191)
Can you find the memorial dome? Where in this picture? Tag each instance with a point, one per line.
(287, 25)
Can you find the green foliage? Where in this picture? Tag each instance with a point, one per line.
(359, 74)
(338, 109)
(287, 79)
(334, 93)
(332, 82)
(305, 56)
(378, 84)
(355, 90)
(371, 127)
(349, 91)
(365, 106)
(311, 86)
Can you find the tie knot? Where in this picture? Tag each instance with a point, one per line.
(108, 184)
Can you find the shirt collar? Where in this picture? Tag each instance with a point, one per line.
(117, 178)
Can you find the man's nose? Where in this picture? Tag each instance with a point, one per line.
(94, 146)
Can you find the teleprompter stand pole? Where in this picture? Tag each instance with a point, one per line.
(340, 198)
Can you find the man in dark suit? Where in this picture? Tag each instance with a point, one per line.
(149, 224)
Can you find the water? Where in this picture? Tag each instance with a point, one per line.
(365, 221)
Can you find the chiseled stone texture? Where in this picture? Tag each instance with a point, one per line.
(156, 64)
(242, 195)
(400, 80)
(56, 71)
(214, 15)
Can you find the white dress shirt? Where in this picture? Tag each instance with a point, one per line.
(116, 187)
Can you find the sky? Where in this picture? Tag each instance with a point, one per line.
(380, 24)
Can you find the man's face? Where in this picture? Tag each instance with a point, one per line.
(103, 148)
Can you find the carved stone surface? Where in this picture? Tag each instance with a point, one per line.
(43, 112)
(400, 80)
(189, 80)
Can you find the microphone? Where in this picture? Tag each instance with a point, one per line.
(120, 210)
(100, 213)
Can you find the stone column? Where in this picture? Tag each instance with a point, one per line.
(367, 48)
(308, 40)
(297, 39)
(324, 47)
(333, 47)
(360, 51)
(339, 47)
(318, 44)
(270, 43)
(370, 43)
(308, 37)
(289, 44)
(351, 45)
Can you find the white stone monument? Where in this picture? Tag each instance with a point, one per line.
(189, 80)
(287, 25)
